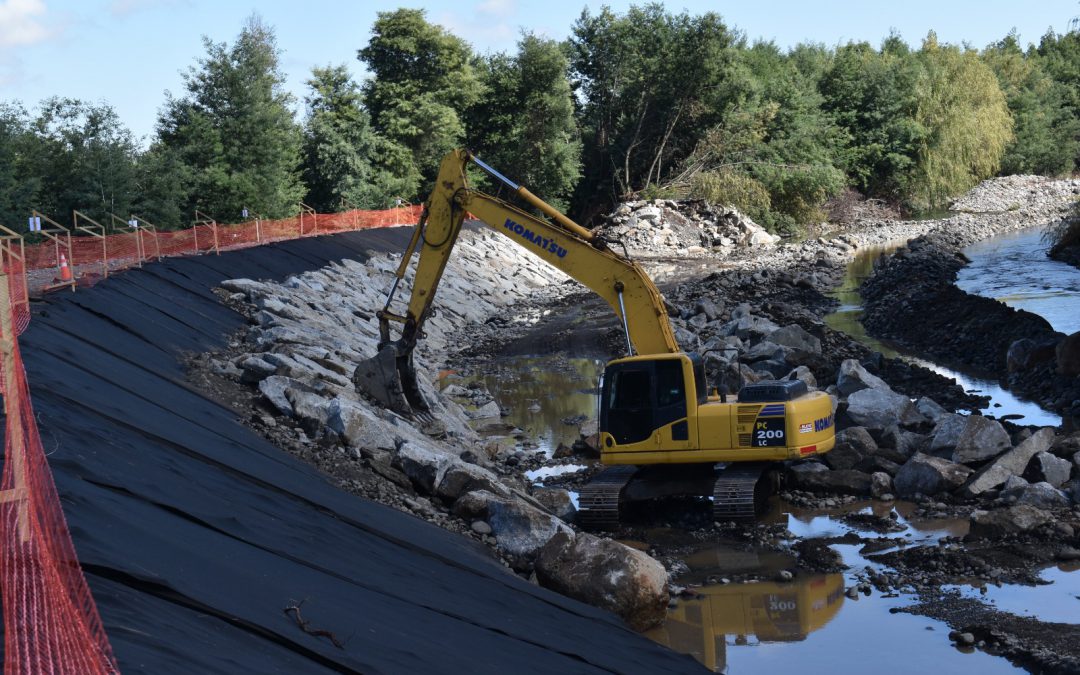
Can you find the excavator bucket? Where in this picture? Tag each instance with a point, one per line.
(390, 378)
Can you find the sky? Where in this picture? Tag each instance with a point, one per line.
(127, 53)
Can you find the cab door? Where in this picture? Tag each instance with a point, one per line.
(674, 427)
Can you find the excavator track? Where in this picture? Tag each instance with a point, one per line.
(739, 492)
(598, 501)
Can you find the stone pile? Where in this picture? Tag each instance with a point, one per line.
(309, 333)
(1012, 193)
(665, 227)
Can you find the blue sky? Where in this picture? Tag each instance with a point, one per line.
(128, 52)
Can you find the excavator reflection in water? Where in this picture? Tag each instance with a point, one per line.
(765, 611)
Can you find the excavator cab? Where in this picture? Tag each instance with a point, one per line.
(643, 394)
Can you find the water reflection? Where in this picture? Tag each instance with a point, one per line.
(541, 392)
(747, 614)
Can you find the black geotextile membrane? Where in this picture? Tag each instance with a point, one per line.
(198, 536)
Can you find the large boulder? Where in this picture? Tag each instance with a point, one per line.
(843, 481)
(796, 337)
(930, 409)
(853, 377)
(1041, 495)
(1068, 355)
(521, 529)
(898, 445)
(1013, 520)
(359, 426)
(878, 409)
(1012, 463)
(852, 446)
(982, 439)
(929, 475)
(946, 434)
(605, 574)
(1049, 468)
(458, 477)
(556, 500)
(423, 465)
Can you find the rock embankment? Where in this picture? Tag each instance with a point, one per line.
(306, 338)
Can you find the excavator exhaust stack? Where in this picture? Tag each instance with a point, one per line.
(390, 378)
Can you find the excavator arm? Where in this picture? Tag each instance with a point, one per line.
(562, 243)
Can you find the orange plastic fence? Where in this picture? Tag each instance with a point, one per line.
(93, 258)
(51, 624)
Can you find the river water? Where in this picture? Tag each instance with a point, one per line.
(1013, 268)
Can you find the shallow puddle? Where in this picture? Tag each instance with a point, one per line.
(808, 624)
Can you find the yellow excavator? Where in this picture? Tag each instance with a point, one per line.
(655, 413)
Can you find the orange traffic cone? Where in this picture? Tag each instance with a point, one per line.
(65, 271)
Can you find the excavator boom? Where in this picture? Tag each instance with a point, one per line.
(562, 243)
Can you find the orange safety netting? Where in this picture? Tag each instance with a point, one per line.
(93, 257)
(51, 624)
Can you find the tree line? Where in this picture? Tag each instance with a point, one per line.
(646, 103)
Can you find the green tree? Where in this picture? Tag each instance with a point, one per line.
(525, 125)
(870, 95)
(234, 131)
(84, 160)
(422, 81)
(651, 84)
(963, 109)
(1047, 131)
(19, 180)
(344, 159)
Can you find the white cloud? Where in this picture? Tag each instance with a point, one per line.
(120, 8)
(22, 23)
(501, 8)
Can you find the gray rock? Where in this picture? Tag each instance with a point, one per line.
(309, 406)
(898, 445)
(880, 408)
(982, 439)
(930, 409)
(853, 377)
(273, 388)
(844, 481)
(1008, 465)
(803, 373)
(947, 432)
(710, 309)
(486, 411)
(929, 475)
(480, 527)
(457, 478)
(1014, 483)
(1013, 520)
(605, 574)
(881, 484)
(255, 369)
(359, 426)
(764, 350)
(1041, 495)
(558, 501)
(1046, 467)
(520, 529)
(852, 446)
(423, 465)
(796, 337)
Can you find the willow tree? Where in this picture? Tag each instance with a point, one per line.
(968, 126)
